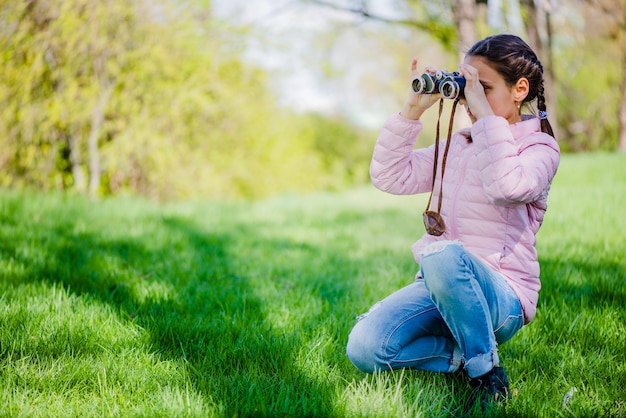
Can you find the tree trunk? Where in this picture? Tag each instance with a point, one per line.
(539, 30)
(97, 118)
(465, 18)
(616, 25)
(620, 36)
(514, 16)
(80, 182)
(622, 108)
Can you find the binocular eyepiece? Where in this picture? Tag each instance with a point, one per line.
(450, 85)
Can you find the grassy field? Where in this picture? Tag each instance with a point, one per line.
(123, 307)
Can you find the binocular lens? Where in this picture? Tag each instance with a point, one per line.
(449, 90)
(452, 88)
(423, 84)
(418, 85)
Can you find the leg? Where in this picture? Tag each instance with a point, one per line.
(477, 304)
(405, 330)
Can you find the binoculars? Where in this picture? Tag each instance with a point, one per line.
(450, 85)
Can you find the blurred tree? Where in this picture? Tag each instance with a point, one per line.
(614, 28)
(148, 97)
(62, 62)
(428, 20)
(465, 22)
(538, 24)
(461, 32)
(590, 65)
(154, 97)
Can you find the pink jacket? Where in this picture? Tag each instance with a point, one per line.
(494, 192)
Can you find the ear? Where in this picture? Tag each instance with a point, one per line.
(521, 89)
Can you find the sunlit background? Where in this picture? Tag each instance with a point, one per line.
(232, 98)
(187, 226)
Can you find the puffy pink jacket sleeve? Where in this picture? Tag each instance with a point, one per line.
(396, 167)
(512, 172)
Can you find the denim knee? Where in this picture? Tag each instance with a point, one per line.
(361, 351)
(439, 264)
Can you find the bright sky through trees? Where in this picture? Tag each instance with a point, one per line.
(319, 57)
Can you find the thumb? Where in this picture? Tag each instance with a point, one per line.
(414, 70)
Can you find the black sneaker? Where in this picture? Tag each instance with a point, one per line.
(494, 384)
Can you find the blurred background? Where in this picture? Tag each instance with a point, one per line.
(194, 99)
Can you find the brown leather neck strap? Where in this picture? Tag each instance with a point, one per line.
(445, 154)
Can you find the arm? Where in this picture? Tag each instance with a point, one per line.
(510, 174)
(396, 167)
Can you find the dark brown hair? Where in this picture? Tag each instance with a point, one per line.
(513, 59)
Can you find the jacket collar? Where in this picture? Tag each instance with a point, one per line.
(530, 124)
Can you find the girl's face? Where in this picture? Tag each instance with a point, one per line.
(504, 100)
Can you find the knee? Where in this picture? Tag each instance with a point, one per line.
(360, 352)
(363, 350)
(439, 263)
(440, 251)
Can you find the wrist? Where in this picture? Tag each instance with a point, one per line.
(412, 112)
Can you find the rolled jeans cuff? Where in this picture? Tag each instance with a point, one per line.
(482, 363)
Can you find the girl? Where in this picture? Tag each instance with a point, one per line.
(478, 280)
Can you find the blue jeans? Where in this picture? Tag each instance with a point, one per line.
(455, 315)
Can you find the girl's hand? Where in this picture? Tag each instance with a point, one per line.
(475, 97)
(416, 104)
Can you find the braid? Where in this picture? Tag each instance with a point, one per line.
(535, 71)
(541, 100)
(541, 106)
(531, 68)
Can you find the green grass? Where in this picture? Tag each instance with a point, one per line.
(123, 307)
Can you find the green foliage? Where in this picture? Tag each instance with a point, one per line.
(589, 94)
(136, 97)
(437, 20)
(154, 98)
(124, 307)
(344, 151)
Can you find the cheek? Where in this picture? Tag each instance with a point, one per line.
(500, 101)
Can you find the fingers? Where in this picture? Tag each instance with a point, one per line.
(414, 67)
(430, 70)
(469, 72)
(416, 73)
